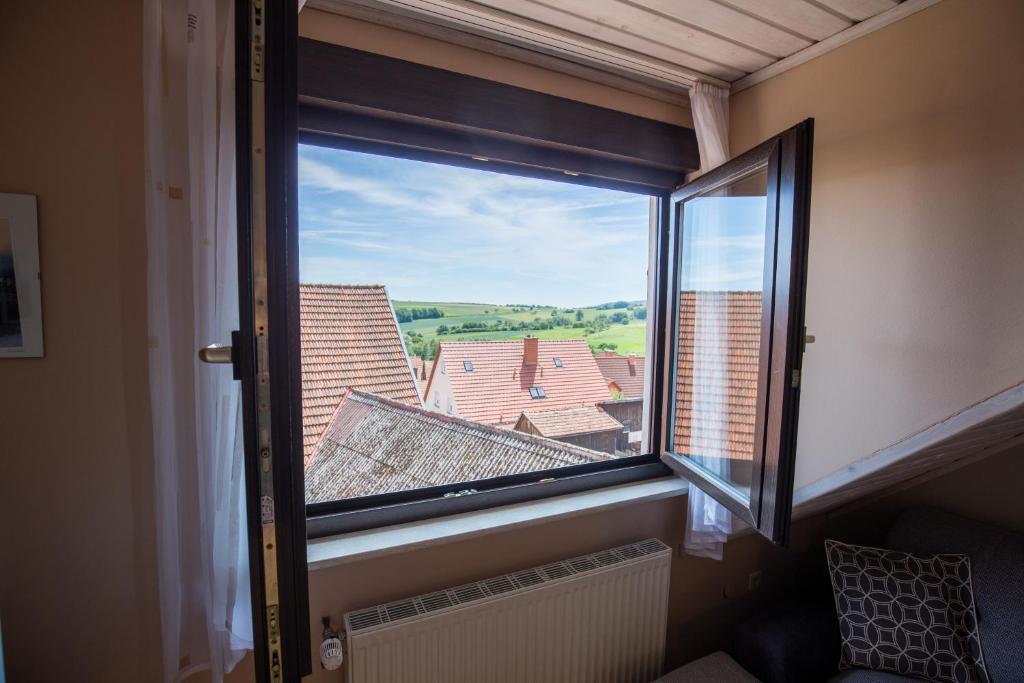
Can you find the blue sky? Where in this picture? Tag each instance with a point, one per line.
(432, 232)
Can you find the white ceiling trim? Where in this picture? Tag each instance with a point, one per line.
(901, 11)
(981, 430)
(510, 29)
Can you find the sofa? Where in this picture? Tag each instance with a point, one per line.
(799, 640)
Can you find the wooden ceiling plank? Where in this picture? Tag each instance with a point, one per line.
(724, 21)
(800, 17)
(475, 19)
(677, 95)
(636, 29)
(859, 10)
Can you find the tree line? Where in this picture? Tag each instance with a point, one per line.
(407, 315)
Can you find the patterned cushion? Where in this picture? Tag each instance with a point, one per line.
(909, 614)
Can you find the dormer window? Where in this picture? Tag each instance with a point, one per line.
(536, 392)
(558, 362)
(467, 365)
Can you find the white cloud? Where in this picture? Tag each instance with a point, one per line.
(445, 225)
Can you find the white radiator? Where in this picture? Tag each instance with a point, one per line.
(598, 618)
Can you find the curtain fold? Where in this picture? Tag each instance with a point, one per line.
(708, 523)
(202, 554)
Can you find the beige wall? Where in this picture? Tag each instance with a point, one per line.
(77, 578)
(707, 597)
(917, 223)
(361, 35)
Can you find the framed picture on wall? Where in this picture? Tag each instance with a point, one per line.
(21, 305)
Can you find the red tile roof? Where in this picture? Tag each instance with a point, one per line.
(350, 339)
(562, 422)
(422, 367)
(376, 445)
(728, 402)
(497, 391)
(616, 368)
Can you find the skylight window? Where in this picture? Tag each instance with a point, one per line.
(467, 365)
(558, 362)
(537, 392)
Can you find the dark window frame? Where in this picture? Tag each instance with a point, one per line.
(345, 119)
(787, 159)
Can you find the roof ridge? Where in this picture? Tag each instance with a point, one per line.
(582, 406)
(339, 285)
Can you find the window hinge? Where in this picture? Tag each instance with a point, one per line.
(796, 378)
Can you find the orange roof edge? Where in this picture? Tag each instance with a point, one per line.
(334, 415)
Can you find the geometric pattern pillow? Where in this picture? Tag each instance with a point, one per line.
(908, 614)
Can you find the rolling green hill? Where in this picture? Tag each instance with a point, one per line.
(620, 326)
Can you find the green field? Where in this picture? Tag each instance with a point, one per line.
(599, 330)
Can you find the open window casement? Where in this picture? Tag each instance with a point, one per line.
(266, 349)
(737, 277)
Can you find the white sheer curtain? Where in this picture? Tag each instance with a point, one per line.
(193, 301)
(708, 523)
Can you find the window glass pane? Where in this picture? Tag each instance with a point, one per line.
(721, 275)
(459, 324)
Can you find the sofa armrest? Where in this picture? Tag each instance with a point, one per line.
(790, 642)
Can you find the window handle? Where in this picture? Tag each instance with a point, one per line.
(215, 353)
(221, 353)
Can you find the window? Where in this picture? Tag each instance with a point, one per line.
(404, 199)
(740, 241)
(388, 292)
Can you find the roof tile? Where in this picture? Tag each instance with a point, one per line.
(376, 445)
(562, 422)
(349, 338)
(616, 368)
(724, 346)
(497, 391)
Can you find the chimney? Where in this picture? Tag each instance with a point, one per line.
(530, 345)
(631, 359)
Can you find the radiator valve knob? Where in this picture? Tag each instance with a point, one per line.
(331, 654)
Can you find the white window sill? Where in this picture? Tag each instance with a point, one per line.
(361, 545)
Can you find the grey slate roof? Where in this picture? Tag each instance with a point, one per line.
(377, 445)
